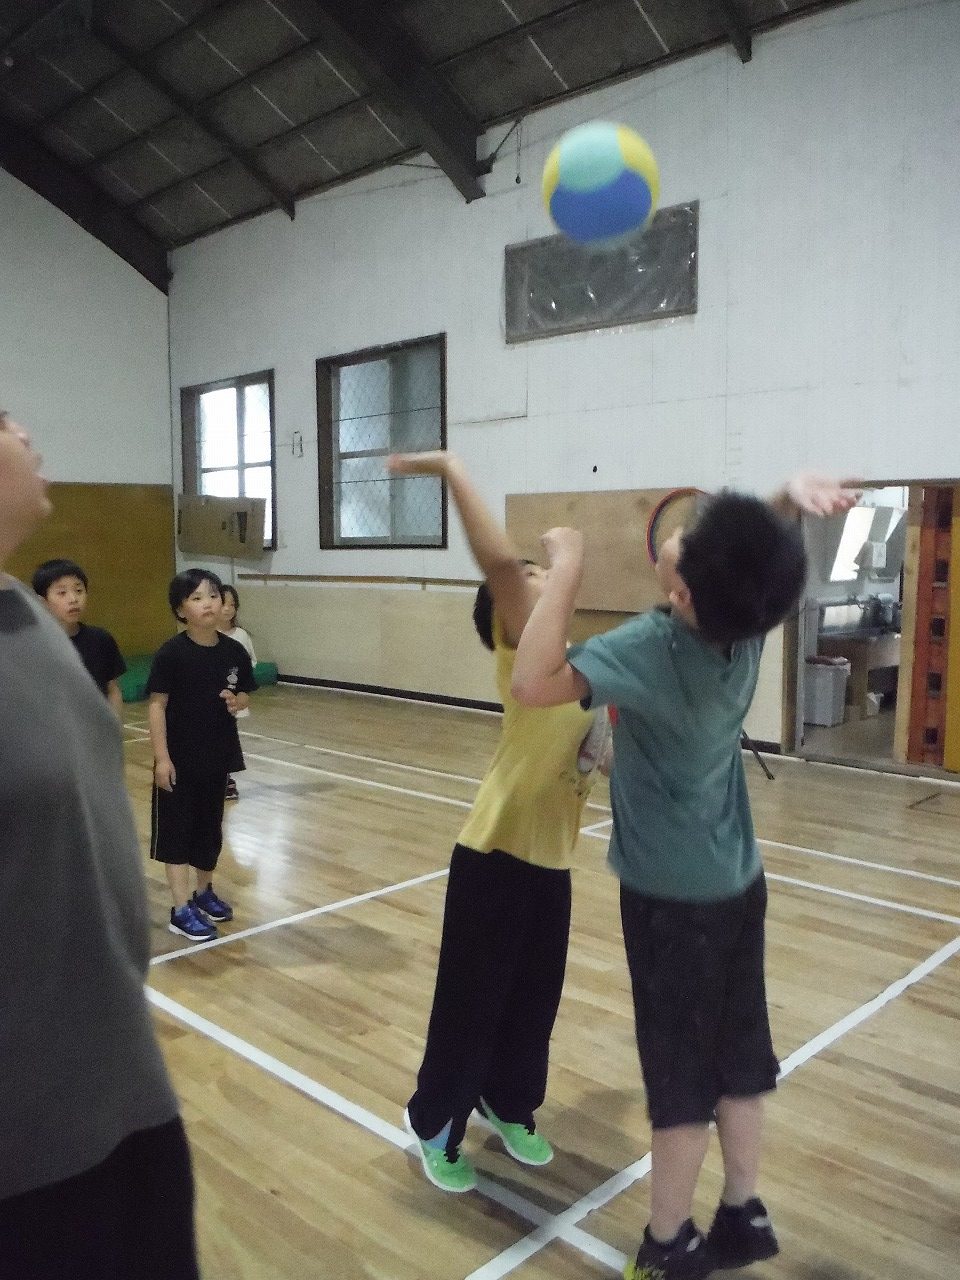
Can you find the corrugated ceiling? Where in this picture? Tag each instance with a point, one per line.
(172, 118)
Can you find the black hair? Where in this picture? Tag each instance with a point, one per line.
(483, 612)
(185, 584)
(483, 615)
(228, 589)
(745, 566)
(46, 574)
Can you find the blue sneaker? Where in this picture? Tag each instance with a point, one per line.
(213, 907)
(188, 922)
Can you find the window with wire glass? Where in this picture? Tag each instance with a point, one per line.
(371, 404)
(229, 445)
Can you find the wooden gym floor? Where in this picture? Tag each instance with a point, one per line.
(294, 1040)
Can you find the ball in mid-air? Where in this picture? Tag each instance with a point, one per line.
(601, 183)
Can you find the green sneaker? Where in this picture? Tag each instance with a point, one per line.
(449, 1175)
(521, 1142)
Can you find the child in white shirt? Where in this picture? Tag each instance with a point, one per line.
(228, 626)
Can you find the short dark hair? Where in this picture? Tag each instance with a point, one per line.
(228, 589)
(46, 574)
(483, 612)
(745, 566)
(185, 584)
(483, 615)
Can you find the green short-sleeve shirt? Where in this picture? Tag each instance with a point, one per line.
(682, 827)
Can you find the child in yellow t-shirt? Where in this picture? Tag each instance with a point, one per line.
(506, 919)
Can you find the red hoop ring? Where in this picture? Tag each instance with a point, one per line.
(658, 511)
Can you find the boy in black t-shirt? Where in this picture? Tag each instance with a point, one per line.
(198, 682)
(63, 586)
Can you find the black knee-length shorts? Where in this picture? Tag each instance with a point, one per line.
(187, 826)
(699, 996)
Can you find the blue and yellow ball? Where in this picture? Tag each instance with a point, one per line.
(601, 183)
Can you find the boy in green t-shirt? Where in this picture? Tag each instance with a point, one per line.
(692, 894)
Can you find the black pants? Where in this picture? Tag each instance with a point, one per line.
(128, 1218)
(506, 925)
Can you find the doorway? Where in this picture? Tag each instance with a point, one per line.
(850, 633)
(877, 662)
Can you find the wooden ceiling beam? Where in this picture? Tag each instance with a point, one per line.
(80, 199)
(364, 34)
(737, 30)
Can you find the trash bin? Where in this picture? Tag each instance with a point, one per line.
(825, 690)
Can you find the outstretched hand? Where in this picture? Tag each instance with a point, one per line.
(819, 495)
(432, 462)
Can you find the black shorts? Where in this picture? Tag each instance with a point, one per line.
(187, 826)
(128, 1218)
(700, 1002)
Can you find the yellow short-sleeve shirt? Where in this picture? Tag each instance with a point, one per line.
(531, 800)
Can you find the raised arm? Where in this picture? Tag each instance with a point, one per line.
(816, 495)
(495, 554)
(542, 676)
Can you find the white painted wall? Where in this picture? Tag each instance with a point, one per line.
(829, 313)
(83, 348)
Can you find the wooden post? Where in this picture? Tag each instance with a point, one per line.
(928, 698)
(911, 578)
(951, 737)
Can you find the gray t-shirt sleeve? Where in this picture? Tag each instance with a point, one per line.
(621, 666)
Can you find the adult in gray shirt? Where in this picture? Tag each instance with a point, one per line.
(95, 1175)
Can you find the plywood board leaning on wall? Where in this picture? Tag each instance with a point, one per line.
(618, 576)
(122, 536)
(619, 579)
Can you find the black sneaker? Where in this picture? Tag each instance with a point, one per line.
(741, 1235)
(685, 1258)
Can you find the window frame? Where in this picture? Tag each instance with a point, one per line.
(328, 454)
(519, 265)
(190, 442)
